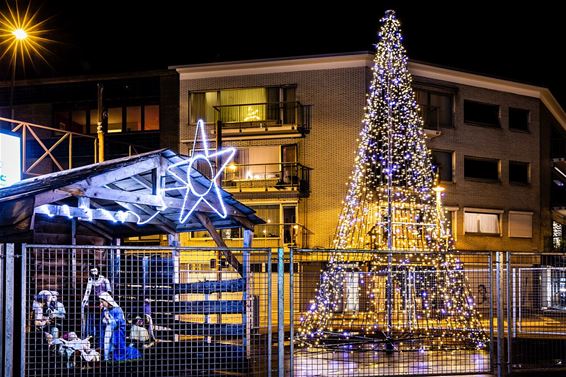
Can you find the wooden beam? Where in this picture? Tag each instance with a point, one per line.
(51, 196)
(131, 197)
(231, 258)
(246, 223)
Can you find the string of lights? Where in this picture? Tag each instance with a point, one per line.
(416, 299)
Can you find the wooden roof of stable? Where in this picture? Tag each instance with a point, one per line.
(127, 186)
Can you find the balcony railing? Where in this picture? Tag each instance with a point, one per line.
(46, 150)
(266, 117)
(285, 176)
(267, 235)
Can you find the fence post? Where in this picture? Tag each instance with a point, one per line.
(2, 259)
(23, 307)
(490, 283)
(269, 313)
(291, 312)
(499, 307)
(280, 313)
(510, 305)
(9, 311)
(248, 297)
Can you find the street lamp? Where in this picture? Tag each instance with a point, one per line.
(21, 38)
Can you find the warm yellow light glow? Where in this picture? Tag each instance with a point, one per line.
(20, 34)
(232, 167)
(438, 188)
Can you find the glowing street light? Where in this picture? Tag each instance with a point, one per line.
(21, 38)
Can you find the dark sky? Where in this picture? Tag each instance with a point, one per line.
(506, 41)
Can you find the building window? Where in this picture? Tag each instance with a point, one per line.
(519, 172)
(481, 169)
(481, 114)
(119, 119)
(350, 292)
(442, 162)
(518, 119)
(436, 108)
(151, 118)
(520, 224)
(450, 220)
(481, 222)
(133, 118)
(115, 119)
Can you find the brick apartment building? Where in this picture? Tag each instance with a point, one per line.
(499, 145)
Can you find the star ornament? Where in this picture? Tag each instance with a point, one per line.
(194, 188)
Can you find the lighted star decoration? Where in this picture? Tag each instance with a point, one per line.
(196, 188)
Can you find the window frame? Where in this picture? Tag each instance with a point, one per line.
(484, 211)
(519, 213)
(528, 114)
(522, 163)
(480, 179)
(481, 123)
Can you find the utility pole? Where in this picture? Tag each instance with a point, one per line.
(99, 122)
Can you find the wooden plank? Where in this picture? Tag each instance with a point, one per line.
(207, 329)
(231, 258)
(201, 307)
(207, 287)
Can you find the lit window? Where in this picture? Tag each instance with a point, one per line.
(151, 118)
(481, 223)
(114, 119)
(133, 118)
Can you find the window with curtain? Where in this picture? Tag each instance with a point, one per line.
(243, 105)
(202, 106)
(484, 223)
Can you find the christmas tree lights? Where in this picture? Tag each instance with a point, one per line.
(412, 285)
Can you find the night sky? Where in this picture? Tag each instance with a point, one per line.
(509, 42)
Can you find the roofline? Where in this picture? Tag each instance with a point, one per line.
(486, 82)
(365, 59)
(278, 65)
(87, 78)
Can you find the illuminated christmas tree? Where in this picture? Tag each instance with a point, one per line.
(410, 291)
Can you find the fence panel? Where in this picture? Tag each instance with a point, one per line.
(146, 311)
(376, 313)
(537, 331)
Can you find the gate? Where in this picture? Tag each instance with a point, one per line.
(536, 316)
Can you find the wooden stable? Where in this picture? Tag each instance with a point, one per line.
(91, 208)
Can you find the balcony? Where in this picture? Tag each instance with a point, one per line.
(277, 179)
(261, 120)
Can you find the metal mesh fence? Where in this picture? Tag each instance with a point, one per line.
(374, 313)
(186, 311)
(146, 311)
(535, 311)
